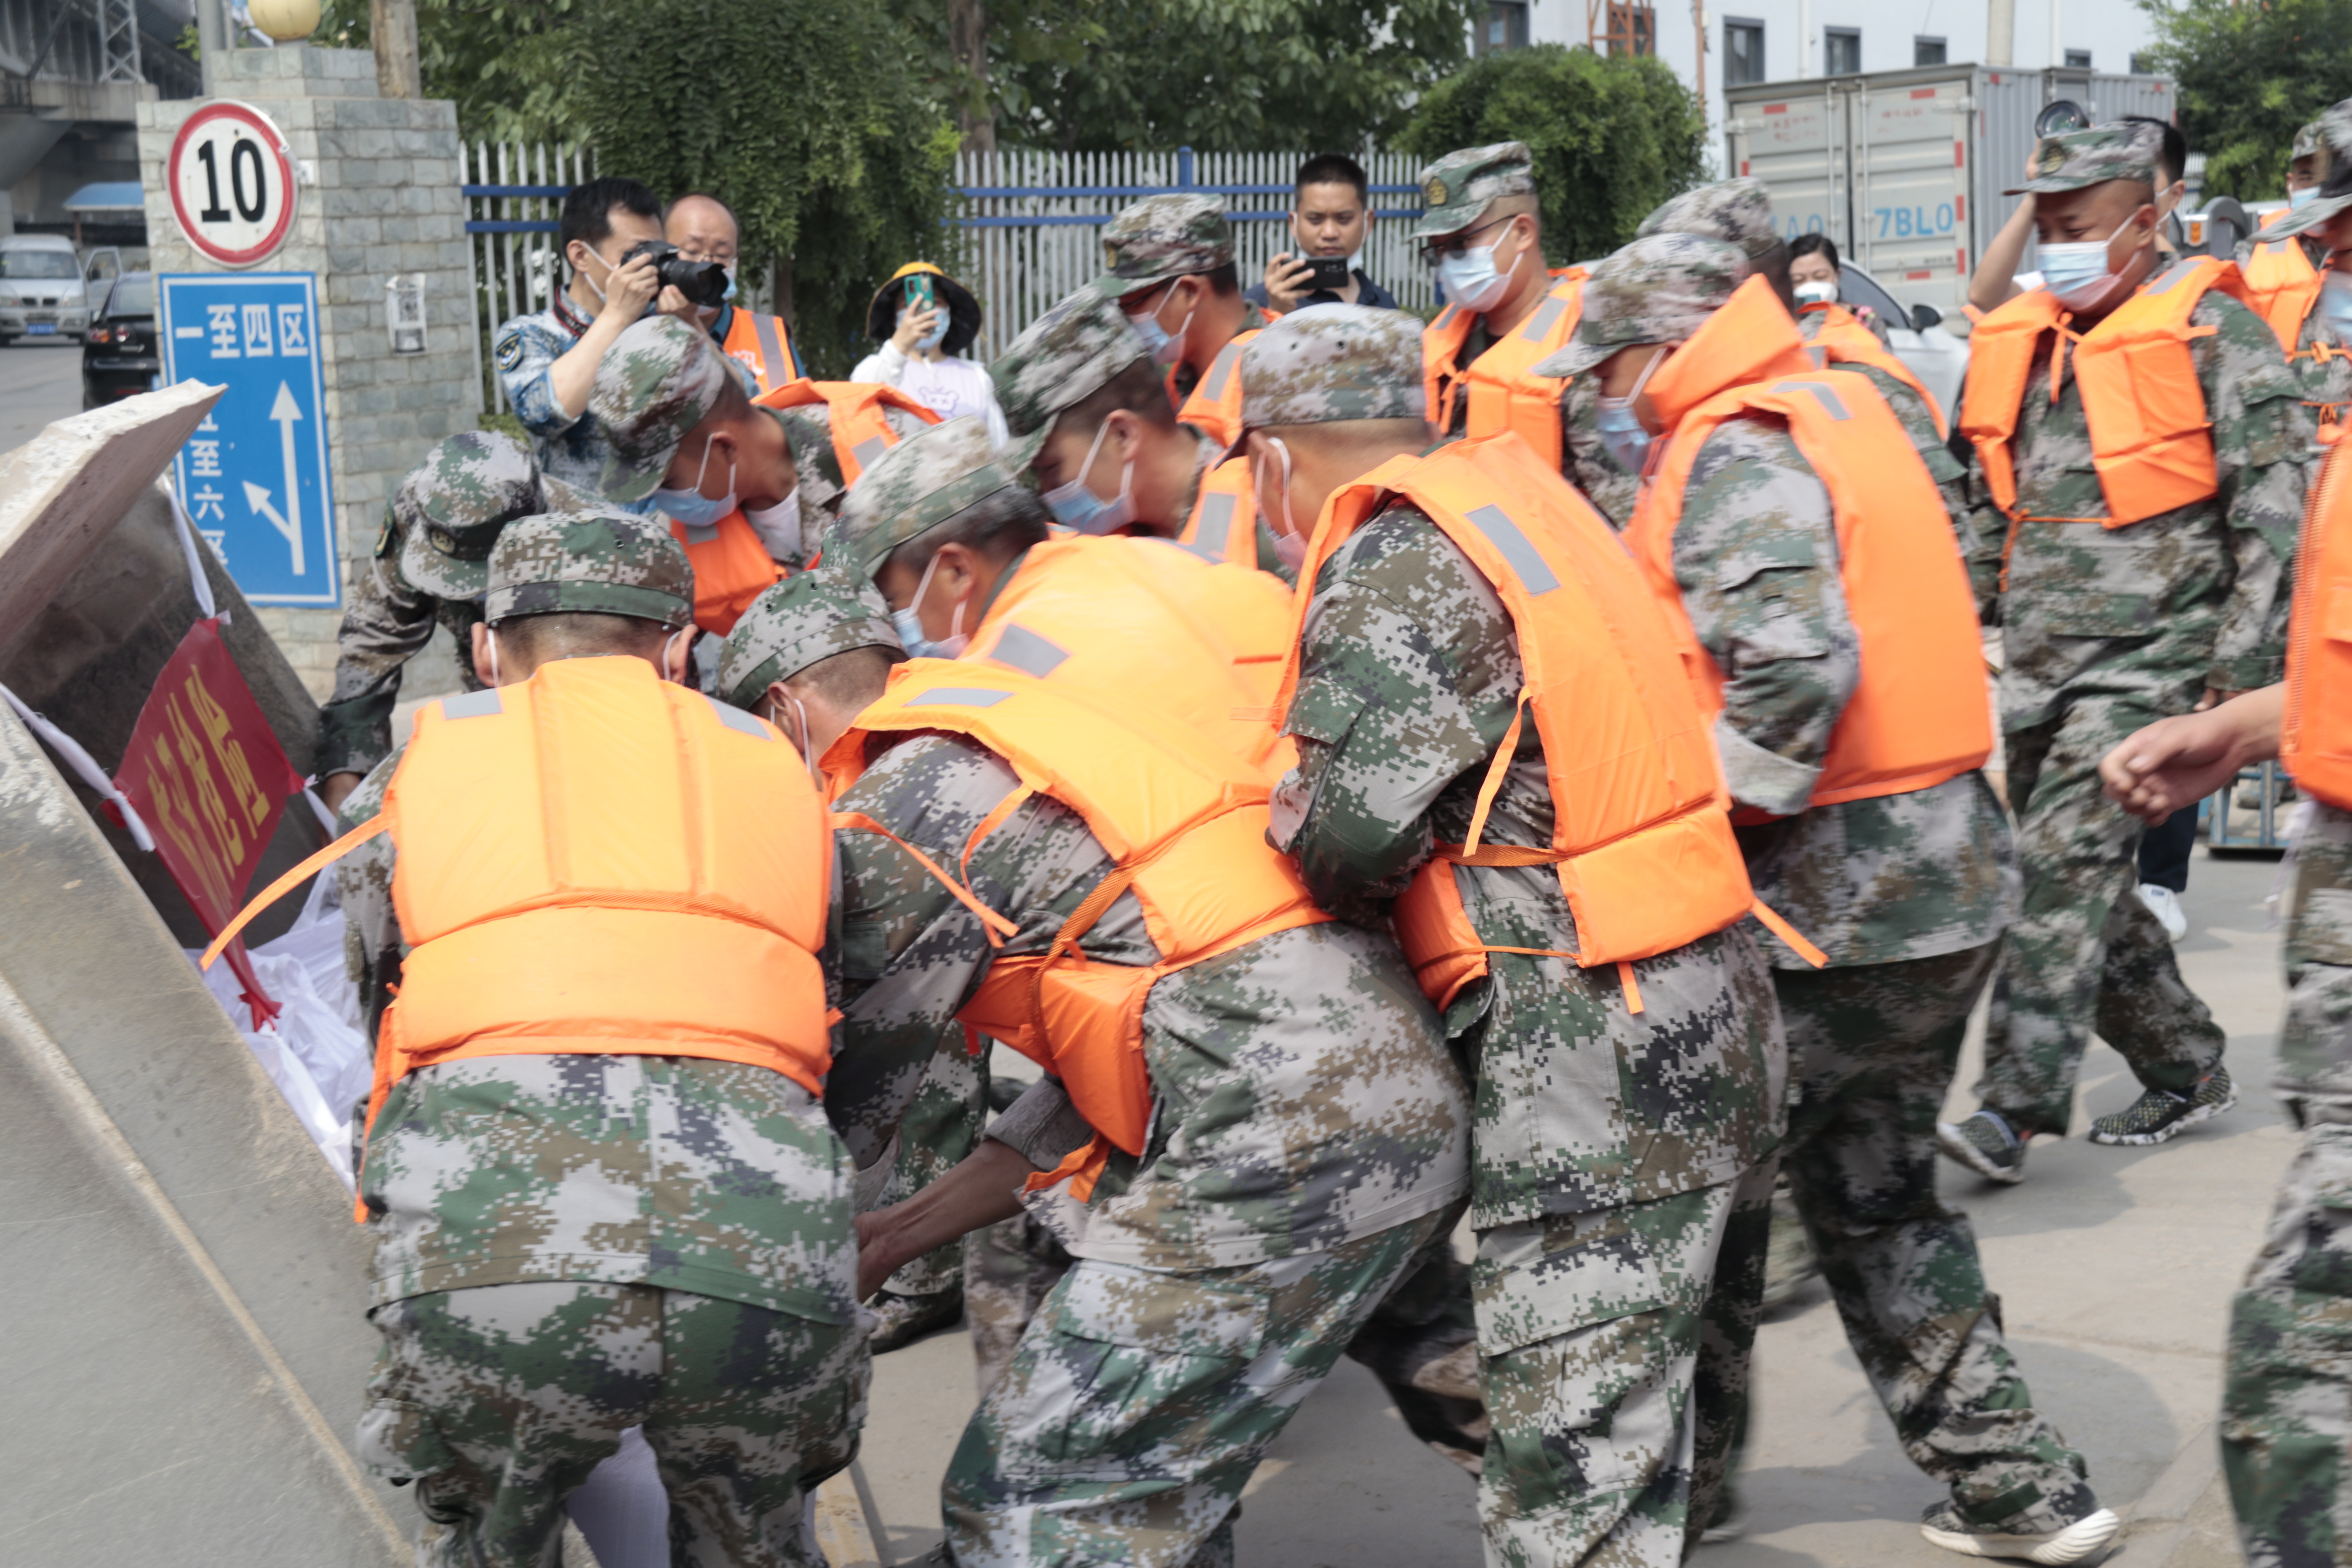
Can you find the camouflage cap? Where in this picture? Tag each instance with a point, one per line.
(1658, 289)
(931, 476)
(1737, 212)
(1456, 188)
(2335, 191)
(1335, 362)
(1161, 237)
(606, 562)
(807, 616)
(1065, 357)
(449, 511)
(2119, 149)
(658, 381)
(2309, 138)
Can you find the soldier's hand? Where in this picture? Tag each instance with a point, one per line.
(876, 1259)
(2214, 697)
(336, 788)
(2175, 762)
(1289, 279)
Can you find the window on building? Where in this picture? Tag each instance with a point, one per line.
(1927, 51)
(2078, 60)
(1633, 27)
(1743, 51)
(1505, 26)
(1841, 51)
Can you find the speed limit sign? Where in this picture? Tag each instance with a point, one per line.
(232, 183)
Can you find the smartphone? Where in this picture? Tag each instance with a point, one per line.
(1331, 271)
(920, 295)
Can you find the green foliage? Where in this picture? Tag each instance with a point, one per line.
(2250, 76)
(807, 117)
(1612, 136)
(1099, 76)
(503, 62)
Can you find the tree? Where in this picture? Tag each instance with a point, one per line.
(503, 62)
(2249, 76)
(808, 116)
(1612, 136)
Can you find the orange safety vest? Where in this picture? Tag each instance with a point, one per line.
(1920, 713)
(732, 565)
(763, 345)
(1215, 406)
(1841, 340)
(1146, 622)
(2315, 735)
(1639, 842)
(598, 861)
(1505, 392)
(1223, 524)
(2282, 285)
(1184, 822)
(2152, 440)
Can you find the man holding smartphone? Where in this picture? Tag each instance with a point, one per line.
(1332, 216)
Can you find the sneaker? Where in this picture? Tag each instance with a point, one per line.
(2085, 1540)
(2165, 905)
(1984, 1143)
(2159, 1114)
(903, 1320)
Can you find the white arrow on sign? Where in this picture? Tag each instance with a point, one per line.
(283, 412)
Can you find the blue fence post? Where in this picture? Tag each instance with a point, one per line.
(1184, 168)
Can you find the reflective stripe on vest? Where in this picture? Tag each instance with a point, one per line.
(1149, 622)
(762, 345)
(1223, 524)
(1185, 825)
(1640, 841)
(1839, 339)
(1503, 392)
(2315, 735)
(1920, 713)
(596, 860)
(1215, 406)
(2151, 441)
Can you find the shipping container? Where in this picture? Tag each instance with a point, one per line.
(1904, 169)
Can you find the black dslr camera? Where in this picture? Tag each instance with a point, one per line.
(702, 282)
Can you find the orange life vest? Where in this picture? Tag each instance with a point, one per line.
(2282, 285)
(2315, 735)
(1146, 622)
(1919, 714)
(598, 861)
(731, 564)
(1639, 842)
(1215, 406)
(2152, 440)
(763, 345)
(1841, 340)
(1223, 524)
(1504, 392)
(1183, 820)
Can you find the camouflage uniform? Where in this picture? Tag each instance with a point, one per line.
(1621, 1162)
(1163, 237)
(1455, 192)
(2319, 352)
(2105, 631)
(572, 447)
(1905, 893)
(701, 1284)
(661, 378)
(429, 569)
(2287, 1418)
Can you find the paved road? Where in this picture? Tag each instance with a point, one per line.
(2115, 1269)
(38, 383)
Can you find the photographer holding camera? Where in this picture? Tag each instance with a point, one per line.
(622, 268)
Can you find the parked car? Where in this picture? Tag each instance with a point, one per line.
(120, 358)
(1916, 336)
(43, 287)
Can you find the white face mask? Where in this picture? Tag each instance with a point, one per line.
(779, 527)
(2078, 272)
(798, 735)
(1817, 293)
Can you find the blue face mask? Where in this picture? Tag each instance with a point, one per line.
(729, 296)
(1621, 432)
(909, 624)
(2077, 273)
(1074, 506)
(1470, 279)
(939, 332)
(2302, 198)
(693, 507)
(1164, 346)
(2336, 304)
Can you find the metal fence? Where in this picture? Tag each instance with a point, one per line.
(1030, 222)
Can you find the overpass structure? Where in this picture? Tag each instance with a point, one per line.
(71, 75)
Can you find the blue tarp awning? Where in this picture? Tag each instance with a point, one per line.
(108, 196)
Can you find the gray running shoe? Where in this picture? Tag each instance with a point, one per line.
(1984, 1143)
(2156, 1116)
(2085, 1540)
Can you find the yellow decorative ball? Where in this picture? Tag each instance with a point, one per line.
(287, 21)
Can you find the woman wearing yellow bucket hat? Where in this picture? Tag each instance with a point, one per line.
(925, 320)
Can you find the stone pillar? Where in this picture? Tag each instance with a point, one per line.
(379, 197)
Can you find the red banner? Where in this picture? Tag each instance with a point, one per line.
(211, 780)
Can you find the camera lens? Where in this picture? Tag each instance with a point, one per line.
(2061, 117)
(703, 282)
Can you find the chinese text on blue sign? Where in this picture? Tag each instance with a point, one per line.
(254, 477)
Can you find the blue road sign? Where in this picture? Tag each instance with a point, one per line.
(254, 477)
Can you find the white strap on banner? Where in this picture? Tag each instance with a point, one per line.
(83, 764)
(196, 578)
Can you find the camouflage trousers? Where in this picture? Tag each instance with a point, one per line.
(1614, 1347)
(496, 1401)
(1140, 1402)
(1008, 1270)
(2085, 953)
(2286, 1400)
(1871, 1048)
(942, 1124)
